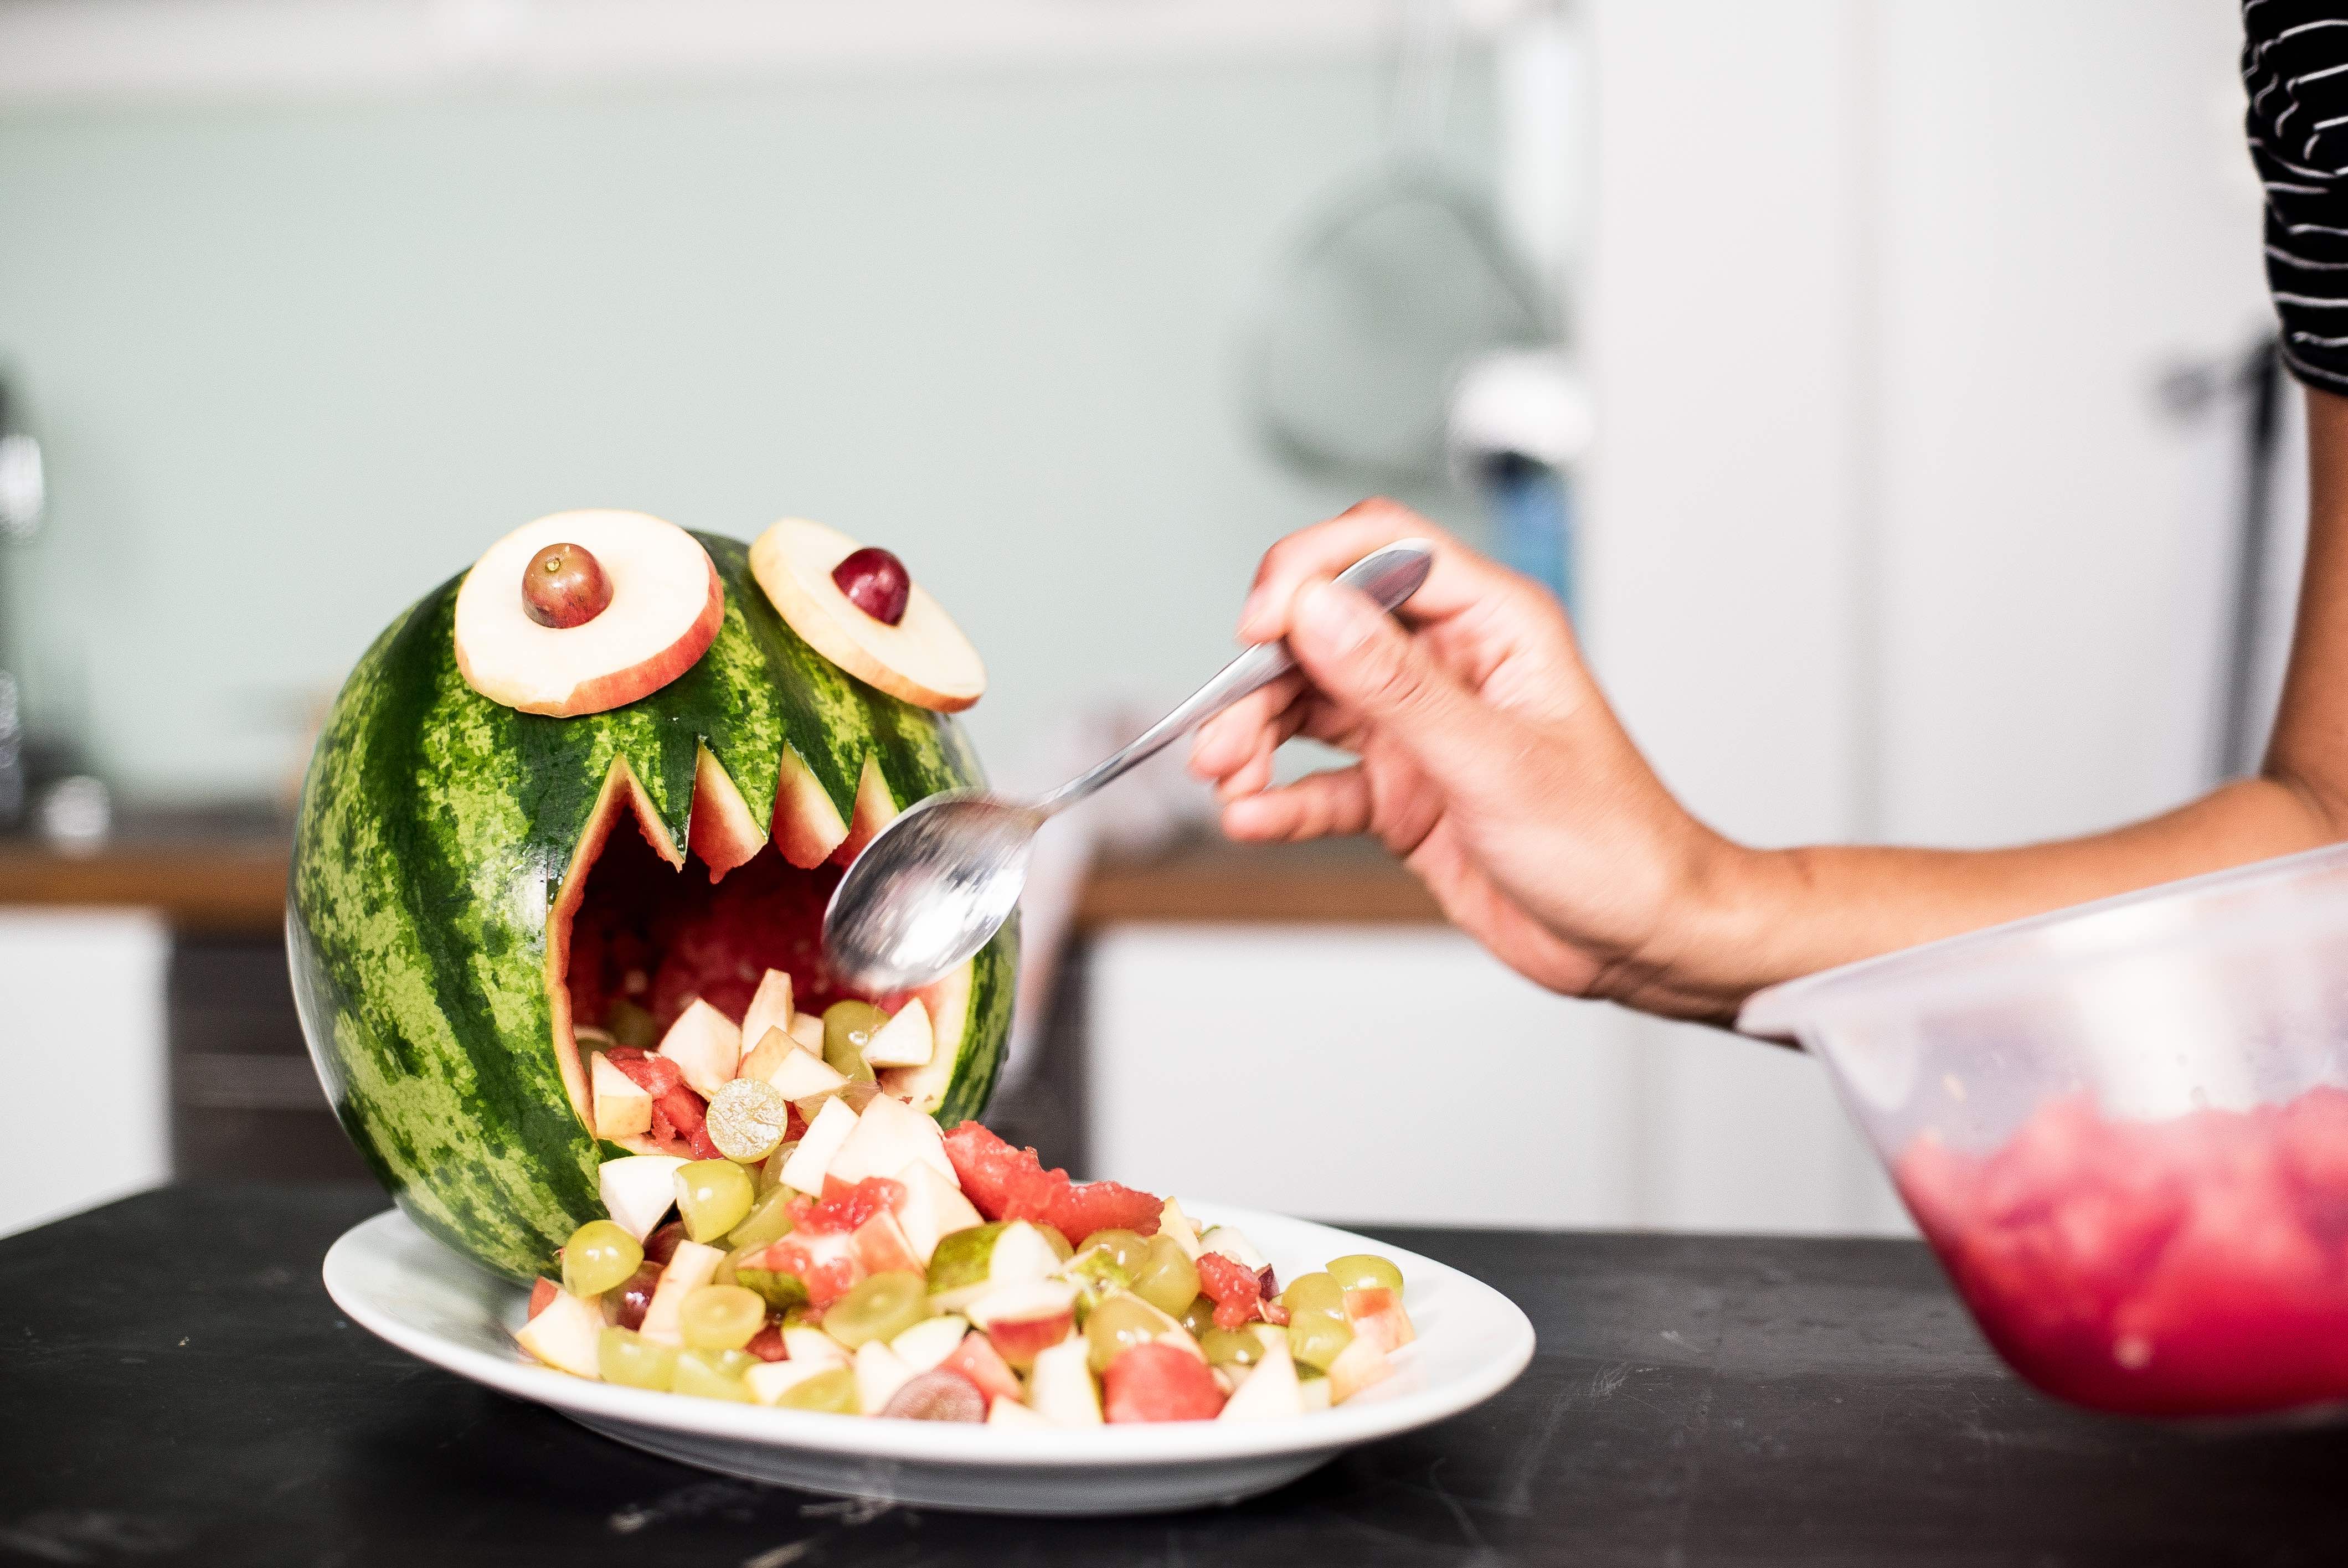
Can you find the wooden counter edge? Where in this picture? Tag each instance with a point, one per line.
(225, 889)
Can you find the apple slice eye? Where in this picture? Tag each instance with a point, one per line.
(564, 586)
(875, 582)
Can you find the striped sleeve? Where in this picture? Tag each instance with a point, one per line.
(2295, 72)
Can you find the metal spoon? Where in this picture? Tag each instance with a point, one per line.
(936, 883)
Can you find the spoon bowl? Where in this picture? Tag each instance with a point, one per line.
(930, 889)
(932, 886)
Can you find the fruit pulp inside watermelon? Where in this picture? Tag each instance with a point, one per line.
(2192, 1266)
(657, 938)
(645, 937)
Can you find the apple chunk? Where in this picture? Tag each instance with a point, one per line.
(667, 602)
(923, 658)
(804, 1170)
(705, 1046)
(770, 1008)
(637, 1190)
(1271, 1391)
(564, 1335)
(905, 1040)
(889, 1136)
(623, 1108)
(1062, 1389)
(1025, 1319)
(934, 1208)
(689, 1267)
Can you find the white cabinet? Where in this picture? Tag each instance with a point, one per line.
(1401, 1074)
(82, 1053)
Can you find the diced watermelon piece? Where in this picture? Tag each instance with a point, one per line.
(2311, 1136)
(977, 1358)
(679, 1115)
(542, 1291)
(882, 1247)
(2185, 1266)
(1154, 1382)
(844, 1208)
(1083, 1207)
(766, 1344)
(995, 1176)
(683, 1115)
(655, 1075)
(1233, 1287)
(1004, 1183)
(823, 1261)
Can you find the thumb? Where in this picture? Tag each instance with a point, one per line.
(1357, 654)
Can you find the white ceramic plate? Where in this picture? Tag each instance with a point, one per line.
(397, 1283)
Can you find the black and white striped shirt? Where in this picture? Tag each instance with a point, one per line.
(2295, 69)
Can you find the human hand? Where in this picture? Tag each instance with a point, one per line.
(1488, 762)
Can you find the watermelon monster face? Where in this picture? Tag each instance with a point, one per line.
(473, 884)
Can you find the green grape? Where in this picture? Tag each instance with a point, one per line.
(1095, 1276)
(879, 1306)
(1316, 1339)
(768, 1220)
(1231, 1347)
(1365, 1271)
(848, 1028)
(1200, 1317)
(713, 1195)
(1313, 1293)
(1121, 1247)
(832, 1390)
(720, 1316)
(1054, 1239)
(627, 1357)
(713, 1374)
(1118, 1323)
(1167, 1278)
(632, 1025)
(770, 1174)
(598, 1257)
(746, 1121)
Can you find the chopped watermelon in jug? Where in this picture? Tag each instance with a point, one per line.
(2191, 1266)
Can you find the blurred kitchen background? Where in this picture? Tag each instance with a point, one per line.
(1881, 382)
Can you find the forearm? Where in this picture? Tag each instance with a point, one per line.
(1766, 916)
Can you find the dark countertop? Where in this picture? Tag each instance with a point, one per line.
(176, 1387)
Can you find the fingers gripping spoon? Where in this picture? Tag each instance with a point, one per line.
(936, 883)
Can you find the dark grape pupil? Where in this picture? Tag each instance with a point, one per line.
(875, 582)
(564, 586)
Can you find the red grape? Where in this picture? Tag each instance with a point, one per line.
(563, 585)
(937, 1395)
(875, 582)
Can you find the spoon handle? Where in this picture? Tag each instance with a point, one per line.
(1389, 576)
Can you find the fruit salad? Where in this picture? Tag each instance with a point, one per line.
(2196, 1266)
(833, 1249)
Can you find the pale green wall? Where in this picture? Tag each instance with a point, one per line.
(296, 363)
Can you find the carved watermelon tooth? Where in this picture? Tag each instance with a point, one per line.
(876, 808)
(808, 827)
(724, 832)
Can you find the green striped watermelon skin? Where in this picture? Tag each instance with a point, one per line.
(435, 827)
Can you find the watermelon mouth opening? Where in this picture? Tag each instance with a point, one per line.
(639, 931)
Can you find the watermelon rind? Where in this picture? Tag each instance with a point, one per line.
(436, 831)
